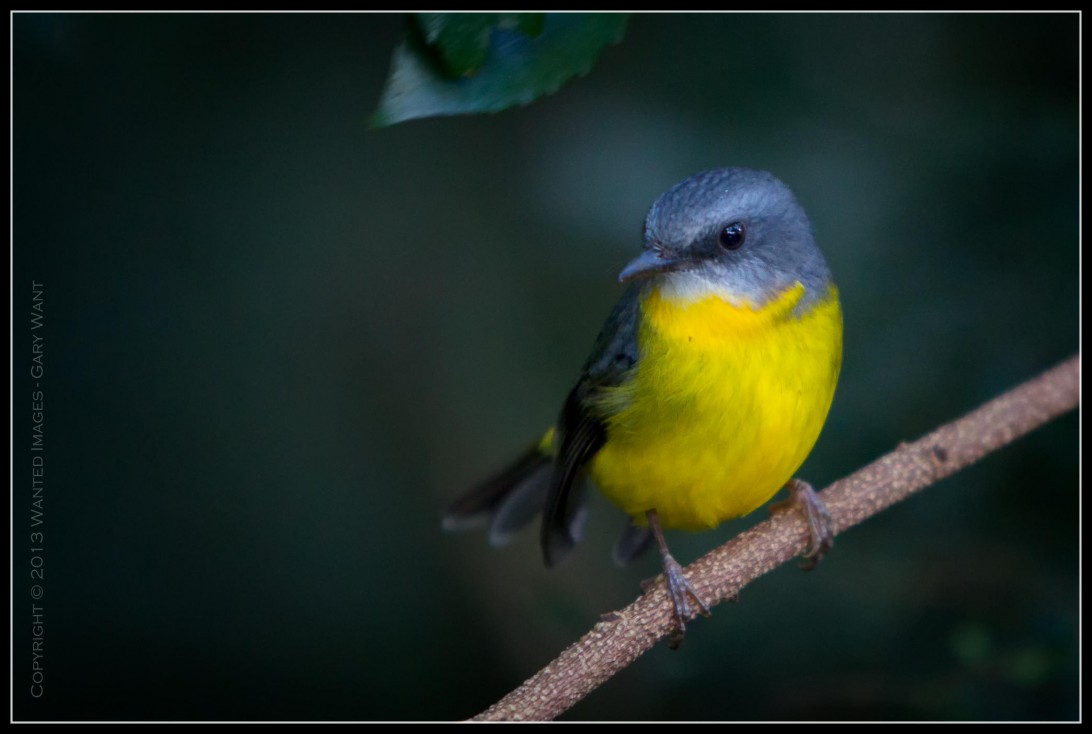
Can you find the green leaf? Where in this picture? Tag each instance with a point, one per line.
(461, 63)
(461, 40)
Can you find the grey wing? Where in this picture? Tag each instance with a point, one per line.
(615, 350)
(580, 430)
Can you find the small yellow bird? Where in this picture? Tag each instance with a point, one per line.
(706, 389)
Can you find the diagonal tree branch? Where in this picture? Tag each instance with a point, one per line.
(623, 636)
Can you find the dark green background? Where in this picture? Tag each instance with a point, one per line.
(278, 343)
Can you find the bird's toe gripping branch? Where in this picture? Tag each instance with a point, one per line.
(804, 497)
(678, 587)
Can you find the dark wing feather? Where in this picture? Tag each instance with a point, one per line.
(581, 429)
(583, 435)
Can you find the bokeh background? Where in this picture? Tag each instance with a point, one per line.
(278, 343)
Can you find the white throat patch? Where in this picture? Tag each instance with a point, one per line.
(688, 286)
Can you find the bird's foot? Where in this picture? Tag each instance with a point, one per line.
(678, 587)
(820, 524)
(681, 593)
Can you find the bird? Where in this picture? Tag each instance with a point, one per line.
(704, 392)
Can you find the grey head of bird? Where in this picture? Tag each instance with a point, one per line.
(733, 232)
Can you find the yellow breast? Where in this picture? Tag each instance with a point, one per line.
(724, 405)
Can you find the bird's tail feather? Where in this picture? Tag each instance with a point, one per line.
(507, 501)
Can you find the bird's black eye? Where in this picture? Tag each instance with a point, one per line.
(732, 236)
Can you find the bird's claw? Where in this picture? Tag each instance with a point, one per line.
(820, 523)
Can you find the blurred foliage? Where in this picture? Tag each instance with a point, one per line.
(459, 63)
(278, 346)
(462, 40)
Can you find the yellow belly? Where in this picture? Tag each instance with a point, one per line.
(724, 405)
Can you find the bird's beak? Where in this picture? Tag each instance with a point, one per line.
(650, 262)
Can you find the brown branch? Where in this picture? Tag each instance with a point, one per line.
(623, 636)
